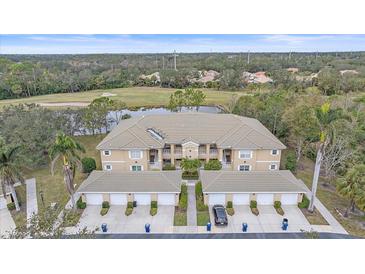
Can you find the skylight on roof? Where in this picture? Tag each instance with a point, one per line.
(155, 134)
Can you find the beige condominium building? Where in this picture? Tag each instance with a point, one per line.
(134, 153)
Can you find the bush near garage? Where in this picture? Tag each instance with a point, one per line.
(80, 204)
(304, 203)
(169, 167)
(213, 164)
(88, 164)
(229, 208)
(104, 208)
(199, 197)
(254, 209)
(153, 210)
(105, 204)
(277, 206)
(183, 201)
(11, 206)
(129, 209)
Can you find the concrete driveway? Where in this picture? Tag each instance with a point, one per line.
(118, 222)
(267, 221)
(6, 222)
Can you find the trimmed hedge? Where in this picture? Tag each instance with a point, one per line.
(190, 175)
(213, 164)
(104, 211)
(277, 204)
(253, 204)
(80, 204)
(153, 211)
(153, 204)
(169, 167)
(200, 206)
(304, 203)
(183, 201)
(105, 204)
(88, 164)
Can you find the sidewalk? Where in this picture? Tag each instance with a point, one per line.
(32, 203)
(191, 213)
(6, 222)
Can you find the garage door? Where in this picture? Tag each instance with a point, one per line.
(94, 199)
(217, 199)
(265, 199)
(166, 199)
(118, 199)
(241, 199)
(2, 203)
(289, 199)
(142, 199)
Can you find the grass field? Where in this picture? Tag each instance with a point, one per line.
(133, 97)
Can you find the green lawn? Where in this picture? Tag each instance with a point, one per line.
(53, 187)
(180, 217)
(332, 201)
(133, 97)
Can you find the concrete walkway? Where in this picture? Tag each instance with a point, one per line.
(191, 213)
(32, 203)
(6, 222)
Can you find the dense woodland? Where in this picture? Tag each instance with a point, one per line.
(30, 75)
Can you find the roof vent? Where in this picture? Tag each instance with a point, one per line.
(155, 134)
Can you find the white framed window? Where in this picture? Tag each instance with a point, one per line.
(274, 152)
(273, 167)
(136, 168)
(108, 167)
(244, 167)
(245, 154)
(135, 154)
(107, 152)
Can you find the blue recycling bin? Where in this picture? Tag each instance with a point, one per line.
(104, 227)
(147, 228)
(244, 227)
(285, 224)
(209, 226)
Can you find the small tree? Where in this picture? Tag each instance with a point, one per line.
(190, 166)
(352, 186)
(291, 162)
(88, 164)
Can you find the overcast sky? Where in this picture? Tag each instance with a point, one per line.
(63, 44)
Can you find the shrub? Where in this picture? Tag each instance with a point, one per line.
(213, 164)
(153, 211)
(291, 162)
(183, 201)
(304, 203)
(88, 164)
(277, 204)
(126, 116)
(200, 206)
(253, 204)
(193, 175)
(128, 211)
(104, 211)
(255, 211)
(229, 204)
(153, 204)
(105, 204)
(11, 206)
(169, 167)
(80, 204)
(130, 205)
(230, 211)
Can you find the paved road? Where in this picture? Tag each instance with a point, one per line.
(298, 235)
(191, 214)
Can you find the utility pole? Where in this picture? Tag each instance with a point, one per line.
(175, 60)
(248, 57)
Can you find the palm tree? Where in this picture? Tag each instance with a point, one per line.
(325, 117)
(352, 186)
(10, 172)
(66, 148)
(190, 165)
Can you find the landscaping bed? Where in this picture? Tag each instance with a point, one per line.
(202, 210)
(314, 218)
(180, 216)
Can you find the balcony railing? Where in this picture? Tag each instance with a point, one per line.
(154, 165)
(213, 151)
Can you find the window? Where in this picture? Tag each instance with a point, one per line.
(136, 168)
(107, 152)
(244, 168)
(273, 167)
(135, 154)
(108, 167)
(245, 154)
(274, 152)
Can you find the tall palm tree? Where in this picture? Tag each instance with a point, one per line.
(66, 149)
(352, 186)
(325, 117)
(10, 172)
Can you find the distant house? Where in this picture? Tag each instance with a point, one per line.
(293, 70)
(349, 71)
(256, 78)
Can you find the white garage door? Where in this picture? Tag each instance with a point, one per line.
(217, 199)
(265, 199)
(289, 199)
(2, 203)
(241, 199)
(94, 199)
(166, 199)
(142, 199)
(118, 199)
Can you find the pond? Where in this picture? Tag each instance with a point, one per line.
(114, 116)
